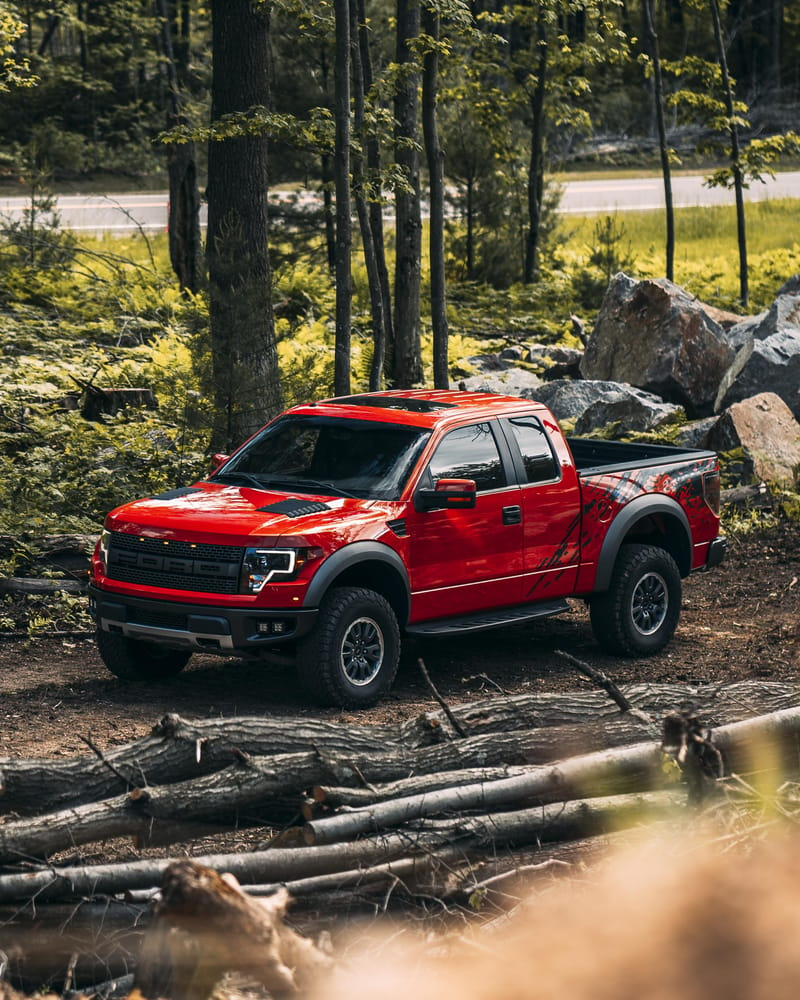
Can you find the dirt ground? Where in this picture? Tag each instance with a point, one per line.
(740, 621)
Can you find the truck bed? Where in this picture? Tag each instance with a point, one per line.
(593, 455)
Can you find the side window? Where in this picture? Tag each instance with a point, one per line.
(537, 455)
(469, 453)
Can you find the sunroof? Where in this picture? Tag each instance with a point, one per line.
(410, 403)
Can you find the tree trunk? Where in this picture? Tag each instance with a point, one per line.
(344, 225)
(736, 162)
(536, 165)
(374, 172)
(648, 8)
(183, 225)
(634, 768)
(247, 387)
(371, 262)
(407, 360)
(430, 83)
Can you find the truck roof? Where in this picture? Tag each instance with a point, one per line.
(419, 407)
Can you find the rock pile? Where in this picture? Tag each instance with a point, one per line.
(658, 356)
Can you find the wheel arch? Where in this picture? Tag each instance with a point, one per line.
(661, 522)
(364, 564)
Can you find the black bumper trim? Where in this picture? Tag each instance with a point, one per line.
(194, 626)
(717, 551)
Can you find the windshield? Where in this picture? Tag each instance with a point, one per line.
(310, 454)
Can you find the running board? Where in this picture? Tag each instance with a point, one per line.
(488, 619)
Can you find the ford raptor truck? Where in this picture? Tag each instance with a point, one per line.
(345, 524)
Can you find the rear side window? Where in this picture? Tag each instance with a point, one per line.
(534, 445)
(470, 453)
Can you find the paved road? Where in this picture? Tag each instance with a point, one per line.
(128, 212)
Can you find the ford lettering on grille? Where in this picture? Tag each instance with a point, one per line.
(213, 568)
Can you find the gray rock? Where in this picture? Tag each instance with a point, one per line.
(509, 382)
(695, 433)
(765, 429)
(556, 362)
(772, 365)
(595, 404)
(654, 335)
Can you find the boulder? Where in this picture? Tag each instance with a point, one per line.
(765, 429)
(768, 357)
(694, 434)
(654, 335)
(508, 381)
(596, 404)
(556, 362)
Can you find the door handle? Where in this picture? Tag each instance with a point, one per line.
(512, 515)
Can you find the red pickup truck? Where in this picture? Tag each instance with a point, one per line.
(345, 523)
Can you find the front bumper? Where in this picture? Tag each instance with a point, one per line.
(198, 627)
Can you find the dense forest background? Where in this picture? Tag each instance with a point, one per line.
(433, 135)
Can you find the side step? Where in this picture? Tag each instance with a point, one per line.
(488, 619)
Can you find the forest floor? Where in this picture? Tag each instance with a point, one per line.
(740, 621)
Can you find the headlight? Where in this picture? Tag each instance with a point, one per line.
(261, 565)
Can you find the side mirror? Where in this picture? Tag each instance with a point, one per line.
(448, 494)
(217, 460)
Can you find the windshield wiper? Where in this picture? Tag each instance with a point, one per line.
(318, 484)
(245, 478)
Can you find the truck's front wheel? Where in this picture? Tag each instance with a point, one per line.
(351, 657)
(134, 660)
(639, 613)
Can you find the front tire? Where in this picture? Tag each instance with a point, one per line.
(134, 660)
(639, 613)
(351, 657)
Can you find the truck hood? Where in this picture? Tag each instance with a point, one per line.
(223, 514)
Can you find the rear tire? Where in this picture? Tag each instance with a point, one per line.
(134, 660)
(639, 613)
(351, 657)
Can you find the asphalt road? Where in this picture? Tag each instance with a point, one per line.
(122, 213)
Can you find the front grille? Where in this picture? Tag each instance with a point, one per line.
(154, 562)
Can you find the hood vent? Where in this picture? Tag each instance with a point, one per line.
(181, 491)
(295, 507)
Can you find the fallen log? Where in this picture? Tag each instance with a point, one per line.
(640, 767)
(275, 865)
(260, 782)
(178, 749)
(42, 942)
(41, 585)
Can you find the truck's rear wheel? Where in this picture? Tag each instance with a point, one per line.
(351, 657)
(639, 613)
(134, 660)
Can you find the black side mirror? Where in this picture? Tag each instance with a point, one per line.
(448, 494)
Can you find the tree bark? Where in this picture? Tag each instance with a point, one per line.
(648, 9)
(735, 157)
(344, 225)
(407, 361)
(536, 165)
(634, 768)
(360, 194)
(177, 749)
(185, 241)
(435, 154)
(247, 386)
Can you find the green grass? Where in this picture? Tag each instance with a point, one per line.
(706, 248)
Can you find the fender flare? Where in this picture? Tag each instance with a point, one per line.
(348, 557)
(637, 510)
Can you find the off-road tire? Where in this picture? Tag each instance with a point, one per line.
(639, 613)
(134, 660)
(351, 657)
